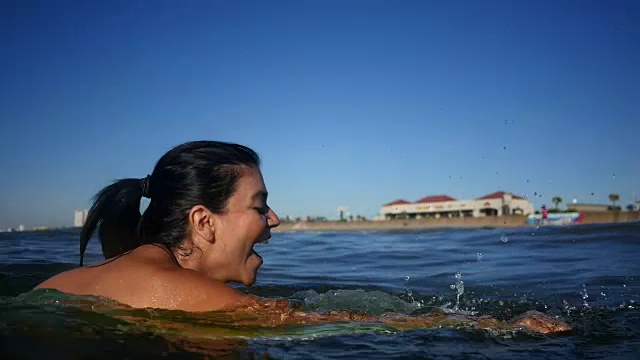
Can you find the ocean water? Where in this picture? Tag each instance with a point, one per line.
(588, 274)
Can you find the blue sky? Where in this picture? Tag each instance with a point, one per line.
(349, 103)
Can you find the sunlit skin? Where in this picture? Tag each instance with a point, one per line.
(219, 250)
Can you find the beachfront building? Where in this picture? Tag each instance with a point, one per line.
(495, 204)
(80, 216)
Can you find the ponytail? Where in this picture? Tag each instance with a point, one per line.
(116, 214)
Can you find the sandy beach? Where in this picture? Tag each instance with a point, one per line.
(512, 221)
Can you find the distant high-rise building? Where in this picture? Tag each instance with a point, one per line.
(80, 217)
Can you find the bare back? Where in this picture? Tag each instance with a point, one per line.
(148, 276)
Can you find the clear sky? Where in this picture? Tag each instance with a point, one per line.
(349, 103)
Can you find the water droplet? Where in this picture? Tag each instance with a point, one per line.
(504, 238)
(479, 256)
(614, 176)
(501, 302)
(527, 181)
(504, 147)
(591, 194)
(506, 121)
(535, 193)
(407, 277)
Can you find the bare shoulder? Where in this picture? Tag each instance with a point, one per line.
(190, 291)
(66, 281)
(147, 277)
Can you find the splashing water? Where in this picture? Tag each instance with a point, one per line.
(585, 296)
(408, 290)
(459, 286)
(504, 238)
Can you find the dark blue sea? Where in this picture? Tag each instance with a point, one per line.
(587, 274)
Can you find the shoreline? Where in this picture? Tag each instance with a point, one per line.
(501, 222)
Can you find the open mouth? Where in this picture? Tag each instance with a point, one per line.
(264, 240)
(253, 252)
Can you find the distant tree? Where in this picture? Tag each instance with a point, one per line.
(613, 198)
(556, 200)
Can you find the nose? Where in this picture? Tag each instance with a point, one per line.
(273, 219)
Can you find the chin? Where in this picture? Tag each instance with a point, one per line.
(251, 272)
(249, 281)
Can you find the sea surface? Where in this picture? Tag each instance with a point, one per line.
(587, 274)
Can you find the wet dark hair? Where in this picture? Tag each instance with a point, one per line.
(194, 173)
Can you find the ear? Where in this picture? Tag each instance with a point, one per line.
(201, 223)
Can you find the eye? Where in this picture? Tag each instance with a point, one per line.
(262, 210)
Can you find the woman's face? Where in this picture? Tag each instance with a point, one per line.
(246, 221)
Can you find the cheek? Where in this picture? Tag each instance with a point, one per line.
(252, 227)
(240, 238)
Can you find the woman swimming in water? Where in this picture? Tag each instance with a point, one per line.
(208, 208)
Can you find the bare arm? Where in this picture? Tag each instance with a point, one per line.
(202, 294)
(274, 312)
(532, 320)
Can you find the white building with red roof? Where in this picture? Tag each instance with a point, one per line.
(495, 204)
